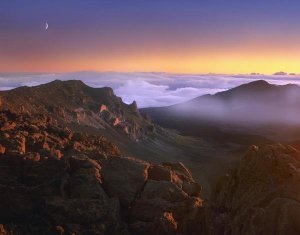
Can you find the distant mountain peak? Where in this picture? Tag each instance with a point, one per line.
(281, 73)
(261, 81)
(257, 84)
(261, 85)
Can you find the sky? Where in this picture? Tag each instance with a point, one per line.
(148, 89)
(171, 36)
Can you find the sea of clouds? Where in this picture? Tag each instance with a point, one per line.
(148, 89)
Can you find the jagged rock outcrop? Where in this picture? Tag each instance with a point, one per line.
(262, 195)
(166, 205)
(73, 102)
(129, 180)
(56, 181)
(35, 135)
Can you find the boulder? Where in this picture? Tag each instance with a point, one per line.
(191, 188)
(124, 178)
(179, 168)
(85, 178)
(164, 190)
(261, 195)
(165, 208)
(176, 173)
(158, 172)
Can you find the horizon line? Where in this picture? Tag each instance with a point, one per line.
(278, 73)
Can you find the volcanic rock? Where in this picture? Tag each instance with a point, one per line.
(158, 172)
(55, 181)
(73, 102)
(2, 149)
(261, 196)
(124, 178)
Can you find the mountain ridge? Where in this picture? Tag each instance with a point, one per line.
(58, 180)
(98, 111)
(74, 102)
(256, 104)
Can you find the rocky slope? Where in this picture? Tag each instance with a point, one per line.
(58, 178)
(262, 195)
(56, 181)
(98, 111)
(75, 103)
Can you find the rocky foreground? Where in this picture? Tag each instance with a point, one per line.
(55, 181)
(260, 196)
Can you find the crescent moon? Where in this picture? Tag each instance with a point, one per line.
(46, 26)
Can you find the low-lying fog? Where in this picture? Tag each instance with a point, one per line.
(148, 89)
(275, 105)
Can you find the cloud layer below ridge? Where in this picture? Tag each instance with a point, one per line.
(148, 89)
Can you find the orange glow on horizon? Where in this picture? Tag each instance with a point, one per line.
(233, 65)
(193, 37)
(242, 59)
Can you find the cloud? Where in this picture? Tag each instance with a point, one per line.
(152, 95)
(148, 89)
